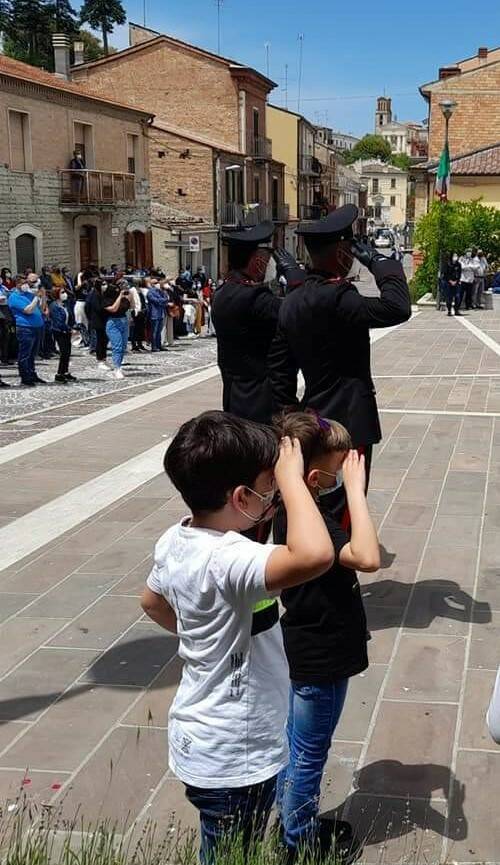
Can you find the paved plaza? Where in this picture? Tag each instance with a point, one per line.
(86, 681)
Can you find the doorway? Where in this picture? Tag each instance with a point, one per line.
(25, 253)
(136, 249)
(88, 247)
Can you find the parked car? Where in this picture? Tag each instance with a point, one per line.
(384, 238)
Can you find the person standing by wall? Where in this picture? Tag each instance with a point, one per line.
(97, 319)
(469, 270)
(480, 283)
(25, 303)
(157, 307)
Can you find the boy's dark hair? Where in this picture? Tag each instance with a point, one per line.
(317, 436)
(213, 454)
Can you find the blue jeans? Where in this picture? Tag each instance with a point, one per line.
(231, 812)
(156, 329)
(28, 341)
(312, 718)
(117, 333)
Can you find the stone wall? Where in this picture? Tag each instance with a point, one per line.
(33, 199)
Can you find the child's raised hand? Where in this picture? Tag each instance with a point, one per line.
(354, 472)
(290, 464)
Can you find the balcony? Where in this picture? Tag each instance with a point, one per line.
(259, 148)
(89, 187)
(280, 212)
(245, 215)
(309, 166)
(308, 212)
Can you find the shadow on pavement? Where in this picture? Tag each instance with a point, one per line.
(125, 665)
(386, 602)
(392, 799)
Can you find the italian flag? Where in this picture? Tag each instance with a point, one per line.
(443, 174)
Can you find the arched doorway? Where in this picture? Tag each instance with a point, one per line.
(89, 253)
(25, 252)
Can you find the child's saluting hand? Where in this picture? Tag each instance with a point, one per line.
(354, 472)
(290, 464)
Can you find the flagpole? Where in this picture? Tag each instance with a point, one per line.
(447, 107)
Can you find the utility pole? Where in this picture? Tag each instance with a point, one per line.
(301, 42)
(267, 46)
(286, 85)
(219, 14)
(144, 12)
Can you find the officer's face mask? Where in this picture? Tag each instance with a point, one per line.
(348, 267)
(258, 264)
(271, 272)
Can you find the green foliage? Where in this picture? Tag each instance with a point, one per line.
(401, 160)
(93, 49)
(103, 15)
(28, 26)
(370, 147)
(453, 226)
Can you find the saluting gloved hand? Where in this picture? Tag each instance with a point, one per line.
(287, 266)
(366, 254)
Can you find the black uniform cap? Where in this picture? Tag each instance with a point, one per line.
(334, 227)
(249, 236)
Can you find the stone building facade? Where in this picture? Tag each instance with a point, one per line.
(210, 113)
(50, 215)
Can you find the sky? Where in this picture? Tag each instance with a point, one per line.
(352, 52)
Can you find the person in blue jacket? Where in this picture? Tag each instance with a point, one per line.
(25, 303)
(157, 301)
(59, 319)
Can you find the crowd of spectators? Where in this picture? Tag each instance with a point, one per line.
(100, 311)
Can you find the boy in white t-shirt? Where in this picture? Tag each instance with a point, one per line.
(226, 729)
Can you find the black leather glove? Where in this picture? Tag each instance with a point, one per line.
(287, 266)
(367, 255)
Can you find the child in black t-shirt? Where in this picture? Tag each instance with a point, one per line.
(324, 630)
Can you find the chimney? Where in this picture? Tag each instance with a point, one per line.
(483, 53)
(448, 72)
(60, 44)
(78, 53)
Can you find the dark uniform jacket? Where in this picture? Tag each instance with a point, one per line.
(324, 331)
(245, 316)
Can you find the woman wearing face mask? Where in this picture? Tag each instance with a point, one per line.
(6, 277)
(59, 318)
(453, 276)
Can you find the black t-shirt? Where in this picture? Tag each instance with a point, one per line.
(324, 626)
(109, 298)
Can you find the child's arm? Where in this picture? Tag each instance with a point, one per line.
(362, 553)
(309, 550)
(159, 610)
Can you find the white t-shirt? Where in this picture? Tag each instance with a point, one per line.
(227, 722)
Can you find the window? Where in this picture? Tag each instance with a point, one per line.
(394, 140)
(371, 212)
(378, 211)
(256, 123)
(256, 188)
(393, 201)
(84, 142)
(393, 183)
(20, 145)
(132, 153)
(375, 185)
(234, 186)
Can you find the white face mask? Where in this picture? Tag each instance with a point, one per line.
(269, 500)
(339, 480)
(271, 271)
(455, 258)
(63, 296)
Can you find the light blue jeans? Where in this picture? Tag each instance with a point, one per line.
(117, 333)
(313, 715)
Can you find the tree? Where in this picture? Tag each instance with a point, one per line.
(370, 147)
(401, 160)
(103, 15)
(93, 47)
(28, 28)
(456, 226)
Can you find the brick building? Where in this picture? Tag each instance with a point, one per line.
(211, 159)
(49, 214)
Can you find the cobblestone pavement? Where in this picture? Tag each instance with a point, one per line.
(86, 681)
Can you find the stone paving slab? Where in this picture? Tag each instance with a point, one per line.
(86, 681)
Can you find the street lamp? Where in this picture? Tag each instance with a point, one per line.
(447, 107)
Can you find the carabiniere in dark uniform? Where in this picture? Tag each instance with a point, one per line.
(324, 329)
(245, 314)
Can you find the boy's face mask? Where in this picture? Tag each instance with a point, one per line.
(339, 480)
(269, 501)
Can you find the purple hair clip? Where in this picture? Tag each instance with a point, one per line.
(323, 423)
